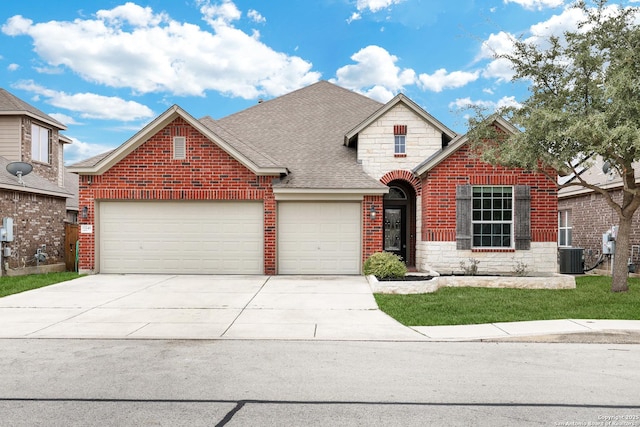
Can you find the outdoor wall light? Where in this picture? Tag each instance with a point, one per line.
(372, 212)
(85, 212)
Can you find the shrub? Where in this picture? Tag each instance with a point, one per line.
(385, 265)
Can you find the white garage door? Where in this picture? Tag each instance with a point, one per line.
(319, 238)
(181, 237)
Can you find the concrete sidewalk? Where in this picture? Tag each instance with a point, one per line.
(238, 307)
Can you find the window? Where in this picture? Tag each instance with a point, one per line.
(564, 228)
(40, 143)
(400, 135)
(179, 148)
(492, 217)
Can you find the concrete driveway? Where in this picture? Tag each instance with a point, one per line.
(201, 307)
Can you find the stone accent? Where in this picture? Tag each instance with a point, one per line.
(375, 143)
(445, 259)
(553, 281)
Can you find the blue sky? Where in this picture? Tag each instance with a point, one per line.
(105, 68)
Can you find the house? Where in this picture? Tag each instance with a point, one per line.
(584, 217)
(32, 205)
(312, 182)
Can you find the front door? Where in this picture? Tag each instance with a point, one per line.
(395, 230)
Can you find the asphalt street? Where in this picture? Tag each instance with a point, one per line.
(347, 383)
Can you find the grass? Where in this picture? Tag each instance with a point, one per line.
(17, 284)
(592, 299)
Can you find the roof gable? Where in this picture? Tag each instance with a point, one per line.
(400, 98)
(456, 144)
(250, 158)
(11, 105)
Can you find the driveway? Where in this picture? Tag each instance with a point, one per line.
(201, 307)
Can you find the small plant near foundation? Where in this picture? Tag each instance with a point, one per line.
(472, 268)
(385, 265)
(521, 269)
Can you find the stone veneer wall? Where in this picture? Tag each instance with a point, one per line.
(376, 143)
(445, 259)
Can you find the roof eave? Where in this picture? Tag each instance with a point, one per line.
(55, 124)
(156, 125)
(26, 189)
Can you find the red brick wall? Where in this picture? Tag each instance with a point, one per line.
(372, 229)
(462, 167)
(150, 173)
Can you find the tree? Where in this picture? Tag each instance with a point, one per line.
(584, 102)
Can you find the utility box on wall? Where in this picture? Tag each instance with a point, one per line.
(6, 232)
(571, 260)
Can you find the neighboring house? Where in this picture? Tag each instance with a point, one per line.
(36, 203)
(584, 217)
(312, 182)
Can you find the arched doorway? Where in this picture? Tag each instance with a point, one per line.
(399, 220)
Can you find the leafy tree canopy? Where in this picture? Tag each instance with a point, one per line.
(584, 102)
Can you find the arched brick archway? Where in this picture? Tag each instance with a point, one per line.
(399, 214)
(403, 175)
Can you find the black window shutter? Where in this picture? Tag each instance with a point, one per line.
(523, 217)
(463, 217)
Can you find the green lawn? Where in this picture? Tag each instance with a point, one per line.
(16, 284)
(592, 299)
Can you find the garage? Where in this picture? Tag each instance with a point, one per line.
(319, 237)
(181, 237)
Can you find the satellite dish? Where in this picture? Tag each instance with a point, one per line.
(606, 167)
(19, 169)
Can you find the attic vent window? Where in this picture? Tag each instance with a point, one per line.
(400, 140)
(179, 148)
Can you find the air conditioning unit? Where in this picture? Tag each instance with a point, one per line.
(571, 260)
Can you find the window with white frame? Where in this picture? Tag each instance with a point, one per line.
(40, 137)
(492, 217)
(400, 139)
(564, 228)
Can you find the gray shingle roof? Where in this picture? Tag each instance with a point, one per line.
(304, 131)
(32, 183)
(11, 104)
(92, 160)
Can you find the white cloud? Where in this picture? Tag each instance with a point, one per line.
(537, 4)
(354, 17)
(503, 42)
(466, 103)
(441, 80)
(78, 150)
(13, 67)
(133, 47)
(64, 119)
(133, 14)
(374, 73)
(216, 14)
(89, 105)
(256, 16)
(376, 5)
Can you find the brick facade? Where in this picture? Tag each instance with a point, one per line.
(150, 173)
(53, 171)
(207, 173)
(439, 217)
(591, 217)
(37, 220)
